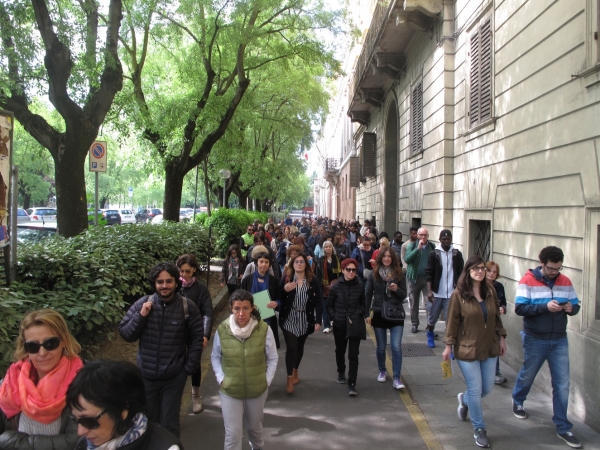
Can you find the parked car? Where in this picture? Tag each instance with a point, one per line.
(101, 219)
(157, 219)
(127, 216)
(146, 215)
(22, 216)
(112, 216)
(185, 214)
(43, 214)
(32, 232)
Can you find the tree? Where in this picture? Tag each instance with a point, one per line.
(212, 50)
(81, 76)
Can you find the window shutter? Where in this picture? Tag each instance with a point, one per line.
(417, 118)
(354, 172)
(480, 77)
(474, 80)
(368, 152)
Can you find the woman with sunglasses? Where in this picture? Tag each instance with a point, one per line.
(346, 297)
(33, 411)
(108, 402)
(474, 328)
(300, 298)
(197, 292)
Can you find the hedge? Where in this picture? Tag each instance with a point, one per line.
(229, 225)
(91, 278)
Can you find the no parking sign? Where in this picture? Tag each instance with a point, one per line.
(98, 157)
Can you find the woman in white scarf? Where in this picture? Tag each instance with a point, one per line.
(243, 381)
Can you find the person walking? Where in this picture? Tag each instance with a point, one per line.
(545, 298)
(327, 271)
(474, 330)
(197, 292)
(244, 359)
(300, 300)
(347, 298)
(233, 269)
(386, 283)
(33, 411)
(247, 240)
(416, 256)
(491, 277)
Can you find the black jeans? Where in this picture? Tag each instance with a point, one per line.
(294, 350)
(164, 401)
(339, 336)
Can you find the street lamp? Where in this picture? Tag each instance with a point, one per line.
(225, 174)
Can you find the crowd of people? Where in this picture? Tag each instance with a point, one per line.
(334, 276)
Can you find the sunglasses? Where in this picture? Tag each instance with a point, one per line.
(91, 423)
(49, 344)
(349, 269)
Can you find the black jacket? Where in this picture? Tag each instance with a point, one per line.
(11, 438)
(318, 269)
(199, 294)
(433, 269)
(156, 437)
(168, 343)
(315, 303)
(375, 292)
(273, 286)
(346, 296)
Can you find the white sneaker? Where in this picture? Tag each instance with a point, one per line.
(326, 330)
(382, 377)
(398, 384)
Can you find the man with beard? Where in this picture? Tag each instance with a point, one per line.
(171, 334)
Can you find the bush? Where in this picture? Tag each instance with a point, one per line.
(229, 225)
(91, 278)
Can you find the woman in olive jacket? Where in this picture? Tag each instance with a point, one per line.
(346, 297)
(474, 328)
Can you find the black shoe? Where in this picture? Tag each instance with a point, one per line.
(481, 438)
(352, 390)
(570, 439)
(519, 411)
(341, 378)
(414, 329)
(435, 335)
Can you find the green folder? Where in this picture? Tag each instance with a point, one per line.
(261, 299)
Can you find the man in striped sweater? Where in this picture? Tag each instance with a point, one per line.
(545, 298)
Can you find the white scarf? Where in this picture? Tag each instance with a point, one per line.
(239, 332)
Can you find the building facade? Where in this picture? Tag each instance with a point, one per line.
(483, 116)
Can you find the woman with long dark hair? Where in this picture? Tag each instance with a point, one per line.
(300, 299)
(327, 271)
(233, 269)
(474, 330)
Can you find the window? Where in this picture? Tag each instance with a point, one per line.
(368, 155)
(480, 238)
(480, 74)
(416, 117)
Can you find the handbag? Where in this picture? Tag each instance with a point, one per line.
(392, 311)
(356, 328)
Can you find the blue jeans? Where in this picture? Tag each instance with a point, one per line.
(395, 343)
(479, 376)
(434, 309)
(556, 352)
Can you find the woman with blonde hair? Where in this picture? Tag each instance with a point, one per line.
(33, 409)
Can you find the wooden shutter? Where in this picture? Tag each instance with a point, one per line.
(416, 142)
(369, 154)
(480, 75)
(354, 172)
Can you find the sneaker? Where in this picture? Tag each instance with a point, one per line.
(341, 378)
(499, 379)
(519, 411)
(382, 377)
(430, 341)
(414, 329)
(326, 330)
(398, 384)
(570, 439)
(462, 408)
(352, 390)
(481, 438)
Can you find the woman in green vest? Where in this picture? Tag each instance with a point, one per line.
(244, 358)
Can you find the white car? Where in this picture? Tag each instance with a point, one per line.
(127, 216)
(22, 216)
(42, 214)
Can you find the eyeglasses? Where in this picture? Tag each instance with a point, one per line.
(91, 423)
(350, 269)
(478, 269)
(554, 269)
(49, 344)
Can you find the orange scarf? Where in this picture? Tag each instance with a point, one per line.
(43, 402)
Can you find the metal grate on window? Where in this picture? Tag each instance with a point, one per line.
(482, 232)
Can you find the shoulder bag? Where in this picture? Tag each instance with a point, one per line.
(392, 311)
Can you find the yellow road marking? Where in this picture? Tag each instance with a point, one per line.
(416, 414)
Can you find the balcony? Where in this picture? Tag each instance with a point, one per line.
(331, 170)
(383, 54)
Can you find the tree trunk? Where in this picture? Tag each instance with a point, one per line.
(173, 190)
(26, 200)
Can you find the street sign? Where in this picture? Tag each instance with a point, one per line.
(130, 192)
(98, 157)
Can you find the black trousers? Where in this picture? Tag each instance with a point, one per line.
(339, 336)
(164, 401)
(294, 350)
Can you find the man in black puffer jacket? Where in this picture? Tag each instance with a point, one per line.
(171, 337)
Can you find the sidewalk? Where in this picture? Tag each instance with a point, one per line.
(437, 399)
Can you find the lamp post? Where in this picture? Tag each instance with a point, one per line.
(225, 174)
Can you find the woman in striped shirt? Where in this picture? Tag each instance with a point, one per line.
(300, 300)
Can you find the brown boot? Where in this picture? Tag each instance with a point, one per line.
(289, 388)
(295, 376)
(196, 400)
